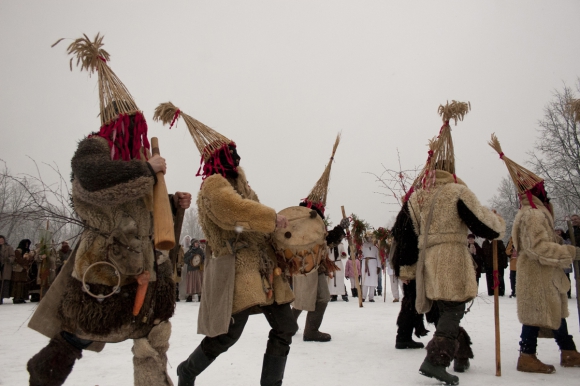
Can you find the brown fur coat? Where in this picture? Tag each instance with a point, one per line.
(225, 204)
(541, 284)
(449, 270)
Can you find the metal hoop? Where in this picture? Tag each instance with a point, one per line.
(116, 288)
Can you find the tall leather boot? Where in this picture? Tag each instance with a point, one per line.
(440, 352)
(272, 370)
(53, 364)
(313, 322)
(463, 353)
(189, 369)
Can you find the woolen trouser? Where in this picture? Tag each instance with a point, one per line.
(279, 317)
(529, 338)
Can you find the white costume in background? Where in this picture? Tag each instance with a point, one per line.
(370, 262)
(395, 282)
(336, 284)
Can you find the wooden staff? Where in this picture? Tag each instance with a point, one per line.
(496, 310)
(178, 225)
(162, 217)
(45, 265)
(576, 265)
(353, 260)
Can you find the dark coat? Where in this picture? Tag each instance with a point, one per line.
(502, 258)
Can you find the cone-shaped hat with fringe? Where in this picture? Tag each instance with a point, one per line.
(418, 180)
(118, 109)
(317, 197)
(443, 157)
(212, 146)
(526, 182)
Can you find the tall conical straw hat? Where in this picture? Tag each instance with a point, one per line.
(208, 141)
(443, 153)
(115, 101)
(523, 179)
(317, 196)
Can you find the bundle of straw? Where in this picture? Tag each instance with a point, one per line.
(523, 179)
(114, 98)
(319, 193)
(207, 140)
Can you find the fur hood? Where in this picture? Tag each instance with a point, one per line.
(229, 206)
(541, 284)
(449, 268)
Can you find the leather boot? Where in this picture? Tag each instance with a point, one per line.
(188, 370)
(313, 322)
(529, 363)
(333, 298)
(53, 364)
(272, 370)
(408, 344)
(440, 352)
(438, 372)
(345, 298)
(570, 358)
(355, 292)
(352, 292)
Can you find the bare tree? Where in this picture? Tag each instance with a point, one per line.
(191, 224)
(506, 203)
(556, 155)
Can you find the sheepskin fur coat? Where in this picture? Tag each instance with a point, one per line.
(230, 213)
(542, 283)
(114, 199)
(449, 269)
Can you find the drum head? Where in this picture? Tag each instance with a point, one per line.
(304, 231)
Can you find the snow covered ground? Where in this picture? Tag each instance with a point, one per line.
(362, 350)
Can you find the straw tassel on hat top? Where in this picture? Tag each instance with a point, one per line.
(443, 157)
(526, 182)
(117, 106)
(317, 197)
(212, 146)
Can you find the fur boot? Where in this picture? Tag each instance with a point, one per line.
(463, 353)
(313, 322)
(53, 364)
(440, 352)
(529, 363)
(150, 357)
(419, 325)
(570, 358)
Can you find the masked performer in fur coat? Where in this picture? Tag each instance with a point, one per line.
(112, 289)
(443, 211)
(239, 273)
(305, 300)
(542, 285)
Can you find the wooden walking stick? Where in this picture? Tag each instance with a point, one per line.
(162, 217)
(496, 309)
(177, 228)
(576, 265)
(353, 260)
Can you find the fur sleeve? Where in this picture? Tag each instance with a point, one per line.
(538, 244)
(93, 168)
(480, 220)
(229, 210)
(406, 251)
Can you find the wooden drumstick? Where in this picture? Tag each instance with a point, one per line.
(162, 217)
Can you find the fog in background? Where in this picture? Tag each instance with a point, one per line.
(282, 78)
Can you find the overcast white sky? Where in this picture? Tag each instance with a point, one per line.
(281, 78)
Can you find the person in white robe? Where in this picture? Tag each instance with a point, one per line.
(371, 265)
(336, 282)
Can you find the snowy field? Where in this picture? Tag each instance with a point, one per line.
(362, 350)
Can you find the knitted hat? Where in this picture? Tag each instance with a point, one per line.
(209, 142)
(317, 197)
(118, 109)
(443, 157)
(526, 182)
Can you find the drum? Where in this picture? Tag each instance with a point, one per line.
(303, 242)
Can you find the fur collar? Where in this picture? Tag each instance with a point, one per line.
(443, 177)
